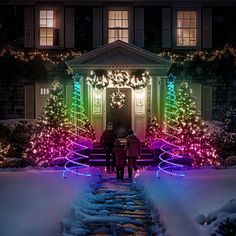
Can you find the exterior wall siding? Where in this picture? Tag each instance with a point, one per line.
(87, 37)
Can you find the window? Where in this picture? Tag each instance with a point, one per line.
(187, 28)
(49, 32)
(118, 22)
(44, 91)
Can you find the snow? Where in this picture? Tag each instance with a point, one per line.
(180, 200)
(34, 202)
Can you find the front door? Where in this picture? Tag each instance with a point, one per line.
(121, 118)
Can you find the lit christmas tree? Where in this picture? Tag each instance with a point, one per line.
(192, 132)
(170, 157)
(80, 143)
(152, 132)
(89, 131)
(49, 141)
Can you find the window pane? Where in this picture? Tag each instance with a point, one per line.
(43, 42)
(111, 24)
(111, 15)
(49, 34)
(118, 26)
(43, 33)
(49, 22)
(125, 15)
(49, 41)
(111, 33)
(50, 14)
(43, 14)
(186, 28)
(43, 23)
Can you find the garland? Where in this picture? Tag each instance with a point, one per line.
(118, 78)
(100, 79)
(139, 80)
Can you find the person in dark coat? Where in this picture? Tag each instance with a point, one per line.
(133, 146)
(120, 159)
(107, 141)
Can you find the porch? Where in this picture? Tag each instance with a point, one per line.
(140, 104)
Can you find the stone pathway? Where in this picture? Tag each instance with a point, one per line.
(114, 207)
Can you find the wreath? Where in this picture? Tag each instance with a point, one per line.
(139, 80)
(118, 78)
(98, 79)
(117, 100)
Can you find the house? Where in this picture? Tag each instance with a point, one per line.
(122, 36)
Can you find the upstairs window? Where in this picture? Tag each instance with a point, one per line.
(49, 30)
(118, 26)
(187, 28)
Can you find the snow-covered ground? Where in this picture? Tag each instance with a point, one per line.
(180, 199)
(34, 202)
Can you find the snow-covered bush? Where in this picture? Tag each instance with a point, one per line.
(226, 226)
(14, 136)
(223, 141)
(229, 118)
(221, 222)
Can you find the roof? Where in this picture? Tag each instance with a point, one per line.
(120, 55)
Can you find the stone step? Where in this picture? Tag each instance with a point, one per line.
(103, 156)
(102, 162)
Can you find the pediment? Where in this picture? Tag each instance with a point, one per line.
(119, 54)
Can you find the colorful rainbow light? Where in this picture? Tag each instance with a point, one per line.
(169, 144)
(78, 143)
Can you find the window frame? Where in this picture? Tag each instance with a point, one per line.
(198, 27)
(106, 26)
(59, 25)
(192, 16)
(47, 28)
(119, 28)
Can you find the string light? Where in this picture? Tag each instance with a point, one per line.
(139, 80)
(118, 78)
(152, 132)
(78, 143)
(50, 138)
(50, 57)
(3, 152)
(100, 79)
(169, 157)
(206, 56)
(117, 100)
(192, 133)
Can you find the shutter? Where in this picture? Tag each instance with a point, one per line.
(166, 27)
(29, 27)
(207, 102)
(69, 27)
(139, 27)
(97, 27)
(197, 94)
(207, 27)
(29, 102)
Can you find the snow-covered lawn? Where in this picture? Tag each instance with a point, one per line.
(34, 202)
(180, 199)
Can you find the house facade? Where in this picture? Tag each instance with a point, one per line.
(122, 36)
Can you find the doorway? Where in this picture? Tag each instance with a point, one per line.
(121, 118)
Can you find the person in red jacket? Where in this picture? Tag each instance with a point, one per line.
(120, 159)
(107, 141)
(133, 146)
